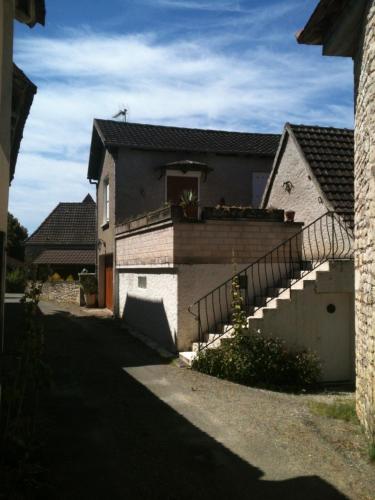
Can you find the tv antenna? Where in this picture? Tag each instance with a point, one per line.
(122, 113)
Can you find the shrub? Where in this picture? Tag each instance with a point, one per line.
(55, 277)
(16, 280)
(89, 283)
(252, 359)
(70, 278)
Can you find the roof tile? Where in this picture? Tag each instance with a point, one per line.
(330, 153)
(137, 135)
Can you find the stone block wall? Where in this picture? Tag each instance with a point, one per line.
(222, 242)
(150, 246)
(210, 242)
(365, 223)
(68, 292)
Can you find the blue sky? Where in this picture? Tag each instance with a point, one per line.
(222, 64)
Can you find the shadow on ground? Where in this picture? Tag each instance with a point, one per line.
(107, 437)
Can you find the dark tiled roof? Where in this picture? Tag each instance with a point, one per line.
(330, 153)
(137, 135)
(24, 13)
(68, 224)
(66, 256)
(23, 92)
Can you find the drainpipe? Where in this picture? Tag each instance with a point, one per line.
(95, 183)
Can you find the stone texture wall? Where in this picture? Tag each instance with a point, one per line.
(306, 197)
(210, 242)
(222, 242)
(365, 223)
(67, 292)
(147, 247)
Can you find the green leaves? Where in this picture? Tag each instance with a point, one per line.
(255, 360)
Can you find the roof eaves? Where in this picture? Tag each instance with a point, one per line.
(275, 167)
(97, 147)
(31, 13)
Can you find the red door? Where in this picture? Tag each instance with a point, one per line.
(109, 282)
(176, 185)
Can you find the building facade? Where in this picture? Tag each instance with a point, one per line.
(30, 13)
(347, 28)
(140, 168)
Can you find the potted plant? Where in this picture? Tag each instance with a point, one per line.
(89, 285)
(289, 215)
(189, 204)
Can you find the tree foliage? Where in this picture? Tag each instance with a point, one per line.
(17, 234)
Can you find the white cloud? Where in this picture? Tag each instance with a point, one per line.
(216, 6)
(41, 183)
(187, 83)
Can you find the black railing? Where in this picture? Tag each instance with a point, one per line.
(326, 238)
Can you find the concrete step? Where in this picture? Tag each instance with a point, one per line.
(203, 345)
(187, 357)
(210, 337)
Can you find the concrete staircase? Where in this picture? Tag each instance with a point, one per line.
(287, 294)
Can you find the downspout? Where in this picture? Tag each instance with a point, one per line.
(95, 183)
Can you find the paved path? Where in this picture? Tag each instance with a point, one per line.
(120, 423)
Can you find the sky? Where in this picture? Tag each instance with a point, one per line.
(219, 64)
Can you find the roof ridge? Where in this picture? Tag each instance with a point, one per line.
(294, 125)
(186, 128)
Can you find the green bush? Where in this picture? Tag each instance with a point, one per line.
(252, 359)
(16, 280)
(89, 283)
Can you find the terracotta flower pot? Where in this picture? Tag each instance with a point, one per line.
(90, 299)
(289, 216)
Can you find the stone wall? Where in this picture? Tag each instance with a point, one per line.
(151, 246)
(306, 198)
(365, 223)
(209, 242)
(68, 292)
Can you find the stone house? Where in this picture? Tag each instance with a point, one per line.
(347, 28)
(16, 94)
(65, 242)
(313, 173)
(139, 168)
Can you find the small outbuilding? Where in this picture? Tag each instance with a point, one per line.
(313, 173)
(65, 242)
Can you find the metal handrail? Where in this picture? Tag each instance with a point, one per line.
(326, 238)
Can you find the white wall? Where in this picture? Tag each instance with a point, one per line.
(304, 322)
(305, 197)
(151, 310)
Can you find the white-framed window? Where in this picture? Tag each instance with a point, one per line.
(106, 200)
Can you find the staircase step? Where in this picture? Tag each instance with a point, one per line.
(196, 346)
(187, 357)
(210, 337)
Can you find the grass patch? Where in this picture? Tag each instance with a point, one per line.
(341, 410)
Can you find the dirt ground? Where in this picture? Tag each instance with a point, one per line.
(121, 423)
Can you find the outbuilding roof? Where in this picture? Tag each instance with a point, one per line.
(329, 153)
(66, 256)
(68, 224)
(113, 134)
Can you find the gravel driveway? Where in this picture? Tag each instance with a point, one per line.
(121, 423)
